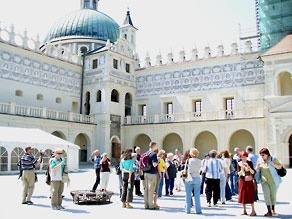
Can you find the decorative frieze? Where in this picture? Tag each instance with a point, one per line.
(25, 70)
(198, 79)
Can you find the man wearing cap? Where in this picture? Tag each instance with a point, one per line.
(203, 171)
(28, 163)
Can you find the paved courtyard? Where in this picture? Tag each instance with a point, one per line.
(171, 207)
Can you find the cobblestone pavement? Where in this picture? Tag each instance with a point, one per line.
(171, 207)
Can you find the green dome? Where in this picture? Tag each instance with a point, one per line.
(85, 23)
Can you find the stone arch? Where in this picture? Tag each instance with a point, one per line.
(241, 138)
(205, 141)
(172, 141)
(142, 140)
(83, 141)
(59, 134)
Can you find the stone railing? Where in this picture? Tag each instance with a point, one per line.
(195, 116)
(22, 40)
(43, 112)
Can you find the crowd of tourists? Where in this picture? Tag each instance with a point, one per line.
(219, 176)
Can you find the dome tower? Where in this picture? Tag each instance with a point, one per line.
(82, 30)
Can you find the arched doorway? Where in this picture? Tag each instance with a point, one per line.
(205, 141)
(82, 141)
(116, 148)
(241, 139)
(171, 142)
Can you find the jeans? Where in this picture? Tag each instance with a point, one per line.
(195, 186)
(203, 176)
(222, 187)
(97, 179)
(233, 177)
(169, 185)
(159, 193)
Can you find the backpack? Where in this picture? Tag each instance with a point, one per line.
(145, 163)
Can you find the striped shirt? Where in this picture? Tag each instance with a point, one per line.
(213, 168)
(28, 162)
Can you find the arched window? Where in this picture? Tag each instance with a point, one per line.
(98, 96)
(128, 104)
(3, 159)
(40, 97)
(285, 83)
(19, 93)
(115, 96)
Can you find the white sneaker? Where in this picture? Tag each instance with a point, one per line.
(208, 204)
(60, 207)
(216, 205)
(55, 208)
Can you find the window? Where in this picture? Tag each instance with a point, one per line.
(115, 96)
(18, 93)
(169, 108)
(229, 107)
(40, 97)
(94, 63)
(115, 63)
(143, 110)
(198, 107)
(127, 67)
(98, 96)
(58, 100)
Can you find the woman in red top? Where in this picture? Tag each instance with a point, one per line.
(245, 183)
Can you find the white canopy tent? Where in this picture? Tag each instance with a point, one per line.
(11, 137)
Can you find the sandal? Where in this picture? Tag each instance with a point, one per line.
(253, 214)
(123, 205)
(129, 206)
(243, 213)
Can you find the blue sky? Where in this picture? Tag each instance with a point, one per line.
(163, 25)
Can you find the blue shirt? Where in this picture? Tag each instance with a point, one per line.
(253, 158)
(213, 168)
(96, 161)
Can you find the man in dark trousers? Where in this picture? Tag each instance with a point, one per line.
(96, 158)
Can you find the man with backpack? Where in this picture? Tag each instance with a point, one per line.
(150, 175)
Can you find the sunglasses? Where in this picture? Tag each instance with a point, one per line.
(59, 153)
(263, 155)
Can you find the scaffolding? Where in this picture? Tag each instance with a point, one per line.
(274, 21)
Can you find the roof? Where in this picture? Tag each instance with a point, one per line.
(23, 137)
(284, 46)
(87, 23)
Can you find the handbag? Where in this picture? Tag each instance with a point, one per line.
(281, 172)
(186, 176)
(248, 178)
(65, 177)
